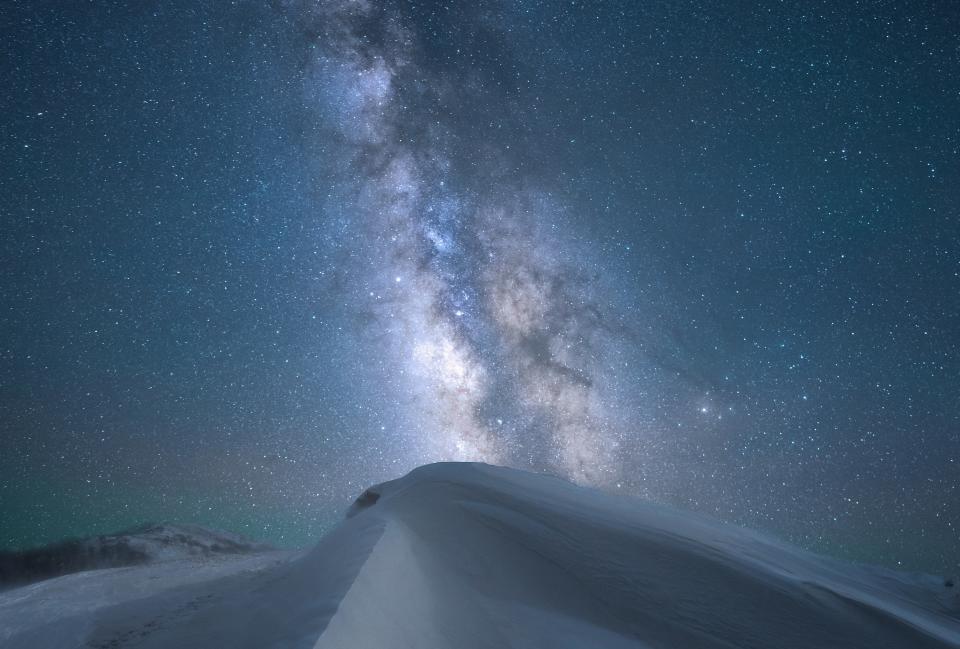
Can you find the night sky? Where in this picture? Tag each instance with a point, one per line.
(255, 257)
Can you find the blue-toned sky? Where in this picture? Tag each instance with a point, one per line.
(257, 256)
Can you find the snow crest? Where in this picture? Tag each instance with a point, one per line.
(470, 556)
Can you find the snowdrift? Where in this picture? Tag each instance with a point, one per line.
(463, 556)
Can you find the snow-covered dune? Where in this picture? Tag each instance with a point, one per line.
(462, 556)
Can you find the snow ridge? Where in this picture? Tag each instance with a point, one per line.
(471, 556)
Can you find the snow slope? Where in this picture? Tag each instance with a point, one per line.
(166, 541)
(163, 560)
(463, 556)
(145, 544)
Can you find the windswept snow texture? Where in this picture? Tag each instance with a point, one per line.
(467, 556)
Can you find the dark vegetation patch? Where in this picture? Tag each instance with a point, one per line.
(128, 548)
(71, 555)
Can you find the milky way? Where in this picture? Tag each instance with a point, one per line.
(259, 256)
(497, 339)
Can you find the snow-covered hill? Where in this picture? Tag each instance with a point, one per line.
(463, 556)
(145, 544)
(167, 541)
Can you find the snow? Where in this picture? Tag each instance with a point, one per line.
(467, 556)
(146, 544)
(60, 612)
(164, 542)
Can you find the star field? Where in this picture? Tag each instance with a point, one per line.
(258, 256)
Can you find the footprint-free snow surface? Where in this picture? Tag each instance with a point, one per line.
(462, 556)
